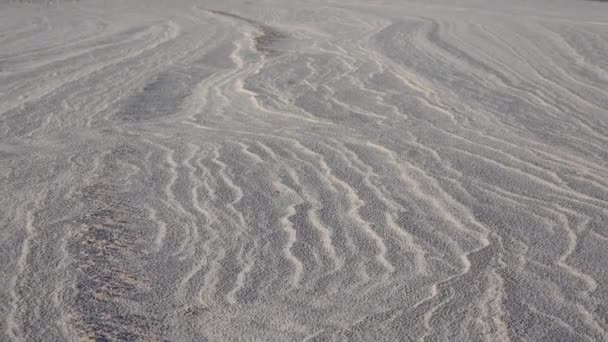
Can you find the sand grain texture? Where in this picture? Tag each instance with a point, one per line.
(304, 170)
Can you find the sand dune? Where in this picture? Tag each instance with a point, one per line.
(304, 170)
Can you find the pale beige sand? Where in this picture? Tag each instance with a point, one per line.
(304, 170)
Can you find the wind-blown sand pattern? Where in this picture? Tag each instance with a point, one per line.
(304, 170)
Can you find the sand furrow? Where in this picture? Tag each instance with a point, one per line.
(317, 171)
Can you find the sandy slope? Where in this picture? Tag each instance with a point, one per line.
(300, 170)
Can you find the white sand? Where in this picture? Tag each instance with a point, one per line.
(304, 170)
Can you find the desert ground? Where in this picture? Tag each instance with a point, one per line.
(314, 170)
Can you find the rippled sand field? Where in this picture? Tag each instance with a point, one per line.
(310, 170)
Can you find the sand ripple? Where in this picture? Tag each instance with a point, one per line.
(287, 170)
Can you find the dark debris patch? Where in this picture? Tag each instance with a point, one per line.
(264, 43)
(112, 287)
(162, 96)
(266, 40)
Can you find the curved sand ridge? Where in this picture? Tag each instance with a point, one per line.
(319, 171)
